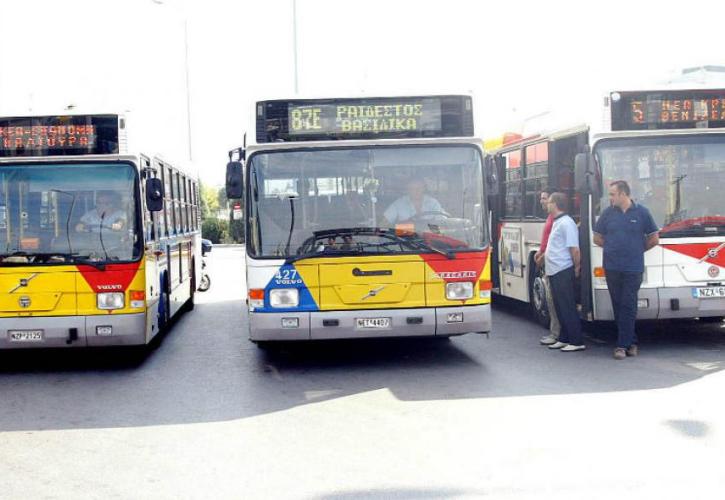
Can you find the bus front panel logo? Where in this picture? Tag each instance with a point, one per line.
(24, 301)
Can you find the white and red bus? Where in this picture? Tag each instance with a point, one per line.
(669, 145)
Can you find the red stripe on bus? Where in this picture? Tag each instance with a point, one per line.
(115, 277)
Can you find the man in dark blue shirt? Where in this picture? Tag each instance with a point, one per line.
(626, 230)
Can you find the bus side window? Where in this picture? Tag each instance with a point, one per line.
(167, 190)
(537, 176)
(512, 185)
(170, 202)
(185, 205)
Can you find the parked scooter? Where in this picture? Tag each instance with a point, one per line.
(205, 281)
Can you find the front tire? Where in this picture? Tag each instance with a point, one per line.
(537, 293)
(205, 283)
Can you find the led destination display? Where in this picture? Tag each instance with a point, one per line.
(373, 118)
(666, 110)
(59, 135)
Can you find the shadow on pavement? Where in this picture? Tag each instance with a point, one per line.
(206, 370)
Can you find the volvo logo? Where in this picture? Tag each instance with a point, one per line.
(713, 271)
(712, 253)
(23, 282)
(24, 301)
(373, 292)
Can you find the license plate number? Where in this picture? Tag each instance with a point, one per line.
(25, 335)
(372, 323)
(710, 292)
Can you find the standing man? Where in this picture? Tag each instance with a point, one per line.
(626, 230)
(562, 264)
(554, 326)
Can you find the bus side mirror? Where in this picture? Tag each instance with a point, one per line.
(490, 176)
(584, 173)
(235, 185)
(154, 194)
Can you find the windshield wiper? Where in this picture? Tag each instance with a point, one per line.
(318, 253)
(417, 241)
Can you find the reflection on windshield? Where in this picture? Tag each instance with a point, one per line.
(366, 201)
(679, 179)
(67, 214)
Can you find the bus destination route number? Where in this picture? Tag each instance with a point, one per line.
(371, 117)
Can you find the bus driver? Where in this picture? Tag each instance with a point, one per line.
(106, 213)
(413, 204)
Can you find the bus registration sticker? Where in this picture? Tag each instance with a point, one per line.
(372, 323)
(25, 335)
(710, 292)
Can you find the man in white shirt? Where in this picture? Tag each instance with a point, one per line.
(106, 213)
(413, 204)
(562, 266)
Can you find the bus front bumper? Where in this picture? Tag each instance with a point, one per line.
(72, 331)
(663, 303)
(430, 322)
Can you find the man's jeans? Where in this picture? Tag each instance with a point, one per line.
(563, 291)
(623, 288)
(554, 326)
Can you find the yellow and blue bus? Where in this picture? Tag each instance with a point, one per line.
(364, 217)
(98, 247)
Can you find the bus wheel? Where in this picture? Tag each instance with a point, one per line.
(537, 293)
(164, 314)
(192, 291)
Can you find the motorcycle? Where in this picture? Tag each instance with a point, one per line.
(205, 281)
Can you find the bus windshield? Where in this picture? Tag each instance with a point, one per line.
(366, 200)
(68, 213)
(679, 179)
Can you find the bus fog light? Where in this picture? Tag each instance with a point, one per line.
(642, 303)
(104, 330)
(110, 300)
(284, 297)
(454, 317)
(290, 322)
(459, 291)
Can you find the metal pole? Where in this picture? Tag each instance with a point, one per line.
(294, 41)
(186, 74)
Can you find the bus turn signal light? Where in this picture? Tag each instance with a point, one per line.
(256, 297)
(599, 272)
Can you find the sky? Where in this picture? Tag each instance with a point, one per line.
(528, 64)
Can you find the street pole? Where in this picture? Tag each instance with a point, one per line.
(186, 78)
(188, 90)
(294, 41)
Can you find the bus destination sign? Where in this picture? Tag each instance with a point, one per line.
(58, 135)
(372, 117)
(668, 110)
(364, 118)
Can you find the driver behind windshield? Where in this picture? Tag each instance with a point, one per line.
(413, 204)
(107, 213)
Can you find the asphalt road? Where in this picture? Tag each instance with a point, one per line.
(207, 414)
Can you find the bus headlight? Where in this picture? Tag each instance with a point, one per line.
(284, 297)
(110, 300)
(462, 290)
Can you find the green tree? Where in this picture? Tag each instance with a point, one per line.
(209, 201)
(215, 230)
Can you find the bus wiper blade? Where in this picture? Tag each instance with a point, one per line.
(418, 242)
(321, 253)
(85, 260)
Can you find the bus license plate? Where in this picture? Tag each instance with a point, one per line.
(372, 323)
(25, 335)
(710, 292)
